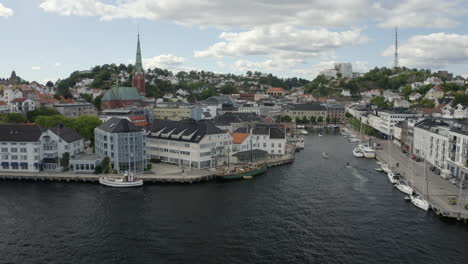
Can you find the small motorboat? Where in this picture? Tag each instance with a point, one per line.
(320, 134)
(407, 198)
(358, 153)
(247, 177)
(393, 177)
(325, 155)
(379, 169)
(127, 180)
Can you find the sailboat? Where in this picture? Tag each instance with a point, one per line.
(416, 199)
(358, 151)
(403, 187)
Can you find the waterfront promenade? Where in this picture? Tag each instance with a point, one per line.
(440, 190)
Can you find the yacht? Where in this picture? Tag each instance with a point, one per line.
(420, 202)
(403, 187)
(127, 180)
(357, 152)
(393, 177)
(303, 132)
(369, 152)
(300, 143)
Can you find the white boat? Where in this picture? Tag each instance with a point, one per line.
(320, 134)
(303, 132)
(420, 202)
(325, 155)
(385, 168)
(369, 153)
(358, 153)
(353, 140)
(393, 177)
(379, 169)
(300, 143)
(404, 187)
(127, 180)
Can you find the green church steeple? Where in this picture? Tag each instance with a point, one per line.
(138, 62)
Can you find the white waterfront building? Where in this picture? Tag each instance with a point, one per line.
(190, 143)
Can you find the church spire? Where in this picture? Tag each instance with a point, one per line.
(138, 62)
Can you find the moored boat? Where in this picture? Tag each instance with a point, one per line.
(403, 187)
(379, 169)
(393, 177)
(368, 152)
(420, 202)
(357, 152)
(236, 173)
(325, 155)
(127, 180)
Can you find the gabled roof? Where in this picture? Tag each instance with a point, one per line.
(20, 133)
(236, 118)
(122, 93)
(118, 125)
(184, 130)
(276, 89)
(3, 103)
(67, 134)
(238, 138)
(19, 100)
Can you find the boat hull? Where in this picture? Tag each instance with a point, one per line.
(404, 189)
(357, 154)
(238, 176)
(420, 203)
(110, 183)
(369, 155)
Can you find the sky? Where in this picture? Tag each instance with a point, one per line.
(48, 39)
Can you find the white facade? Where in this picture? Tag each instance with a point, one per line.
(346, 69)
(211, 151)
(20, 156)
(432, 144)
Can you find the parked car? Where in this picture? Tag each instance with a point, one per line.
(453, 180)
(459, 183)
(418, 159)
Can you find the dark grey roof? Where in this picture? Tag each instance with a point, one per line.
(118, 125)
(309, 107)
(236, 118)
(184, 130)
(67, 134)
(262, 129)
(20, 133)
(220, 100)
(427, 124)
(207, 114)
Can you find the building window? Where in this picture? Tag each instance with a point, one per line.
(14, 150)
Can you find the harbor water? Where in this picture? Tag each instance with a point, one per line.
(314, 210)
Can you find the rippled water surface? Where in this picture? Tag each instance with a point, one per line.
(313, 211)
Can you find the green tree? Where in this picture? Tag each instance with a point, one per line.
(13, 118)
(327, 120)
(460, 99)
(228, 88)
(106, 166)
(87, 97)
(426, 103)
(297, 120)
(380, 102)
(64, 162)
(42, 111)
(319, 119)
(304, 120)
(97, 102)
(313, 120)
(406, 91)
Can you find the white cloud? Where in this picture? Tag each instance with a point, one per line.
(167, 61)
(282, 41)
(250, 13)
(271, 65)
(57, 64)
(432, 51)
(35, 68)
(420, 13)
(5, 11)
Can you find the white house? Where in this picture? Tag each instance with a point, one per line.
(57, 141)
(22, 105)
(346, 92)
(432, 80)
(416, 85)
(402, 103)
(460, 111)
(414, 97)
(435, 93)
(190, 143)
(431, 141)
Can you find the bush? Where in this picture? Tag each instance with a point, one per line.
(148, 167)
(153, 160)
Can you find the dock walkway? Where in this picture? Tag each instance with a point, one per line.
(440, 190)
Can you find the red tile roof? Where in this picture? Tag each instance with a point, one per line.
(238, 138)
(19, 100)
